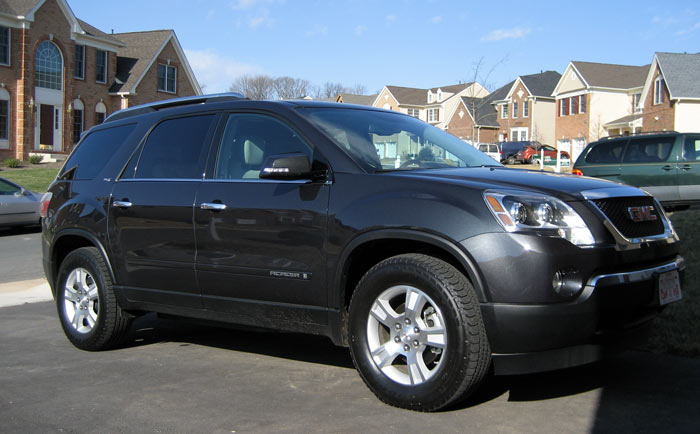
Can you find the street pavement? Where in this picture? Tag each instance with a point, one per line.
(179, 377)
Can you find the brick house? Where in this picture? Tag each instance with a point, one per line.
(475, 119)
(593, 96)
(671, 95)
(430, 105)
(59, 75)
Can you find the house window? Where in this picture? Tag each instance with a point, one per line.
(100, 113)
(4, 120)
(515, 109)
(101, 70)
(582, 104)
(504, 111)
(526, 109)
(658, 90)
(79, 65)
(77, 125)
(4, 45)
(414, 112)
(166, 78)
(48, 66)
(430, 97)
(433, 115)
(635, 102)
(564, 103)
(574, 105)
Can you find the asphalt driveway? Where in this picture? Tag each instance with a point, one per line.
(184, 378)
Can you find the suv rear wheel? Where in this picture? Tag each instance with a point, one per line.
(416, 333)
(87, 308)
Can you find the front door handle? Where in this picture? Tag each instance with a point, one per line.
(213, 206)
(667, 168)
(122, 204)
(686, 167)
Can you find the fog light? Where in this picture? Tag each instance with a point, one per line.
(567, 283)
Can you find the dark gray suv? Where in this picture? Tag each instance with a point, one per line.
(431, 261)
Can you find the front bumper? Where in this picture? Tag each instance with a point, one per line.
(613, 310)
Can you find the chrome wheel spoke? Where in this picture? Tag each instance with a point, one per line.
(72, 296)
(385, 355)
(384, 313)
(414, 303)
(77, 320)
(81, 300)
(434, 337)
(417, 371)
(92, 292)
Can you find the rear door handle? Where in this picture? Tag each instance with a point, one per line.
(122, 204)
(213, 206)
(686, 167)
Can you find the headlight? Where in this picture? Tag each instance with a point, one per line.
(539, 214)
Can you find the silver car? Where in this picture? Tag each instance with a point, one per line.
(18, 206)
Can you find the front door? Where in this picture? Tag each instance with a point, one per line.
(46, 125)
(261, 244)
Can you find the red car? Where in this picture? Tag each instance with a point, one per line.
(531, 154)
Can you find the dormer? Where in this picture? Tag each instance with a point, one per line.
(439, 95)
(431, 96)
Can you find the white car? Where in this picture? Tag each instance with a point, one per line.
(18, 206)
(492, 150)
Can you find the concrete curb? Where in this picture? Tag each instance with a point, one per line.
(27, 291)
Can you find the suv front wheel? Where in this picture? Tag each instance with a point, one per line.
(85, 300)
(416, 334)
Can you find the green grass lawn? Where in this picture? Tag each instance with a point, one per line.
(677, 329)
(34, 178)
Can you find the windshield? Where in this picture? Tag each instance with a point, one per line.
(392, 141)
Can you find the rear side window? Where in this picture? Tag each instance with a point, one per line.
(649, 150)
(176, 149)
(95, 150)
(691, 149)
(606, 152)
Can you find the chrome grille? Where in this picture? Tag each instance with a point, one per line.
(615, 209)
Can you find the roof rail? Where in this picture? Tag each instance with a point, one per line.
(641, 133)
(175, 102)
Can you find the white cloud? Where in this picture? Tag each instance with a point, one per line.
(262, 18)
(436, 19)
(689, 30)
(318, 30)
(360, 30)
(215, 71)
(501, 34)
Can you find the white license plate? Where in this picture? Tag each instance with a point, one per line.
(669, 287)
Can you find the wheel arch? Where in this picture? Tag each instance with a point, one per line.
(372, 247)
(69, 240)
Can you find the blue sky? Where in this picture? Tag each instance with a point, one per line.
(403, 42)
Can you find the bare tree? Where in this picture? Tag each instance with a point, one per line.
(256, 87)
(289, 88)
(479, 105)
(332, 89)
(358, 89)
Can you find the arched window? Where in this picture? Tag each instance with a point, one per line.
(78, 119)
(4, 119)
(100, 112)
(49, 66)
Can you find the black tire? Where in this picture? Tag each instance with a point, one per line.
(510, 160)
(89, 314)
(455, 372)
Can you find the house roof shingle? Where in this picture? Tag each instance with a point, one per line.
(682, 73)
(612, 76)
(94, 31)
(415, 96)
(541, 84)
(482, 110)
(136, 56)
(17, 7)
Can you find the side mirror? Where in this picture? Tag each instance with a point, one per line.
(286, 167)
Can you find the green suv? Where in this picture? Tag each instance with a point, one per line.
(667, 165)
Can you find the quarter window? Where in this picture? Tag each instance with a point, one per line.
(167, 77)
(176, 149)
(4, 45)
(101, 66)
(79, 65)
(606, 152)
(95, 151)
(248, 139)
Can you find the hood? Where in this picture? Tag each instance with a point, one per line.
(563, 186)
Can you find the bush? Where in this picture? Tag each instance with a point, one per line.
(35, 159)
(11, 162)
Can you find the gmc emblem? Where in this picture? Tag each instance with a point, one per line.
(640, 214)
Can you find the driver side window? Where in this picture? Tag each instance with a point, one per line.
(250, 138)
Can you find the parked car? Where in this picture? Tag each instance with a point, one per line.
(667, 165)
(509, 150)
(491, 149)
(531, 154)
(18, 206)
(434, 267)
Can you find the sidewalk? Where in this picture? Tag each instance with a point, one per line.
(26, 291)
